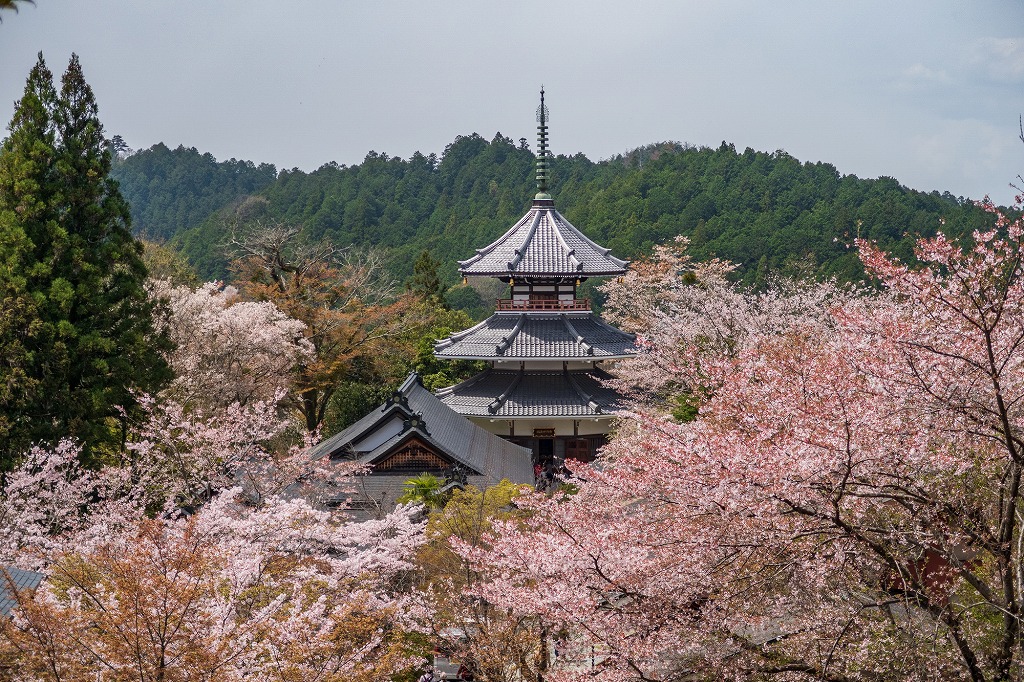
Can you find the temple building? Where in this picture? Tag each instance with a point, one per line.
(545, 387)
(414, 433)
(542, 400)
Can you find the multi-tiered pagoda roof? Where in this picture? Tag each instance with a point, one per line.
(527, 394)
(543, 244)
(543, 342)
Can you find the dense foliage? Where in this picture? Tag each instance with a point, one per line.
(76, 331)
(172, 190)
(764, 211)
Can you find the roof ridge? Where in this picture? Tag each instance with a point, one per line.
(480, 253)
(451, 339)
(606, 325)
(410, 381)
(605, 252)
(580, 340)
(514, 263)
(448, 390)
(570, 253)
(506, 341)
(587, 398)
(496, 404)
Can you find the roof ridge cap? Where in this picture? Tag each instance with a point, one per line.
(514, 263)
(452, 339)
(587, 398)
(607, 325)
(448, 390)
(506, 342)
(580, 339)
(498, 402)
(480, 253)
(570, 254)
(605, 252)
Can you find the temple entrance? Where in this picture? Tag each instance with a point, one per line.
(579, 449)
(549, 450)
(545, 450)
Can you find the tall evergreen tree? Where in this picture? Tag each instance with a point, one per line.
(89, 325)
(27, 217)
(426, 282)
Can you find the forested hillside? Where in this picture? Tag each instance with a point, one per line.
(172, 190)
(767, 212)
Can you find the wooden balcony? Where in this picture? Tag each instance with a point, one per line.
(543, 304)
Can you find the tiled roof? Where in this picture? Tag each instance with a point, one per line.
(15, 580)
(543, 243)
(481, 452)
(556, 336)
(509, 394)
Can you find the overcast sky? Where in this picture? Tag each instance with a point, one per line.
(926, 91)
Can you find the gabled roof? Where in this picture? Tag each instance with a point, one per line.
(543, 244)
(413, 410)
(510, 394)
(553, 336)
(14, 580)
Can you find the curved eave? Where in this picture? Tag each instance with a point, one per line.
(508, 255)
(504, 394)
(511, 358)
(568, 274)
(546, 336)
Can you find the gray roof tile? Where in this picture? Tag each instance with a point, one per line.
(493, 457)
(556, 336)
(543, 243)
(15, 580)
(510, 394)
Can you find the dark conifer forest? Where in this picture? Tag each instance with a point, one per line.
(767, 212)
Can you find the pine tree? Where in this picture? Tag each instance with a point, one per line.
(90, 323)
(27, 215)
(426, 281)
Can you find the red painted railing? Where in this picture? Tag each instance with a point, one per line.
(521, 304)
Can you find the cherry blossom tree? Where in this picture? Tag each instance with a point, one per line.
(687, 313)
(182, 457)
(202, 554)
(844, 505)
(279, 592)
(227, 350)
(249, 582)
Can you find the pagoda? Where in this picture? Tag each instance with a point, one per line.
(545, 387)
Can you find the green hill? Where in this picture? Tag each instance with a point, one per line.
(765, 211)
(170, 191)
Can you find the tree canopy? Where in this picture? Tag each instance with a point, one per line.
(767, 212)
(78, 326)
(170, 190)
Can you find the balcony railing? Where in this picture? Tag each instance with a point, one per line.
(541, 304)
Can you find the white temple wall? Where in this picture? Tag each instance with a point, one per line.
(526, 428)
(543, 365)
(383, 433)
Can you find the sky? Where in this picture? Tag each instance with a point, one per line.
(926, 91)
